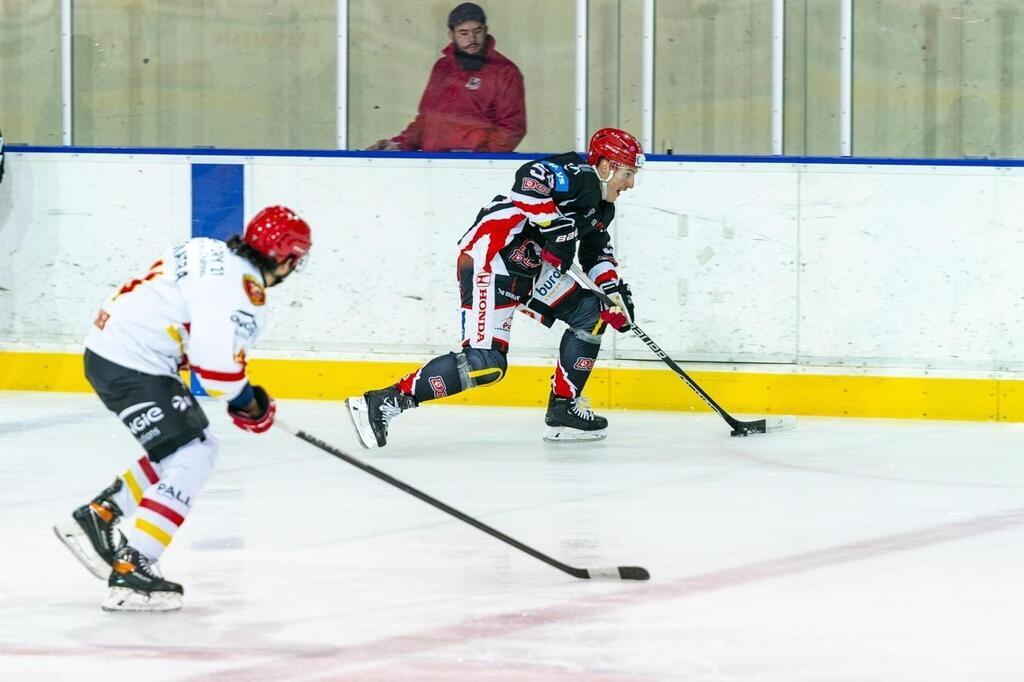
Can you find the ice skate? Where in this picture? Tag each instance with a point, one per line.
(91, 535)
(136, 585)
(572, 420)
(372, 413)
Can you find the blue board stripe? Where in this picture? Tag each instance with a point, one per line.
(217, 199)
(217, 208)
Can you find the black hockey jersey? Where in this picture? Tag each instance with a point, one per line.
(554, 204)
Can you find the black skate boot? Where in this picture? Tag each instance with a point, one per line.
(136, 585)
(91, 535)
(372, 413)
(571, 419)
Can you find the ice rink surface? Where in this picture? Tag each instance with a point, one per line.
(846, 551)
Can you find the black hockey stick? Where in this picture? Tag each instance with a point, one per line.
(611, 573)
(739, 427)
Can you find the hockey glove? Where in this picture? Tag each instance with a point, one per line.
(621, 313)
(260, 423)
(556, 261)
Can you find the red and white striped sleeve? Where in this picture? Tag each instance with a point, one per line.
(603, 272)
(538, 210)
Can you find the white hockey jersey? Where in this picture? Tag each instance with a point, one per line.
(199, 305)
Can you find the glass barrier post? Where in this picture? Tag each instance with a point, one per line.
(778, 64)
(581, 74)
(648, 78)
(845, 76)
(66, 101)
(341, 96)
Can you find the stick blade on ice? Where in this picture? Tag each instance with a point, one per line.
(619, 573)
(784, 423)
(766, 425)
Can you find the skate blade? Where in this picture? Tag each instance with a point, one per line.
(565, 434)
(124, 599)
(361, 421)
(74, 539)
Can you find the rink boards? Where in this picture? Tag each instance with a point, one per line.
(866, 289)
(615, 387)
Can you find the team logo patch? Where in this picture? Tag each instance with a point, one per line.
(473, 83)
(520, 256)
(584, 364)
(529, 184)
(437, 383)
(254, 290)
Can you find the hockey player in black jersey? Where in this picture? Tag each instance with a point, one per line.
(515, 257)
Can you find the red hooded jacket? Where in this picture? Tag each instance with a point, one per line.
(480, 111)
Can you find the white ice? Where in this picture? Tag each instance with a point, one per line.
(846, 550)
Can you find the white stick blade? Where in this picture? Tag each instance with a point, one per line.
(783, 423)
(619, 573)
(609, 573)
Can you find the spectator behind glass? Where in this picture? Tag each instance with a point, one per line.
(474, 99)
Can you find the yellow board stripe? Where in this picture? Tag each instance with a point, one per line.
(657, 388)
(42, 372)
(159, 534)
(133, 485)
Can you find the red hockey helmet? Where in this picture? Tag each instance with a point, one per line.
(279, 233)
(617, 146)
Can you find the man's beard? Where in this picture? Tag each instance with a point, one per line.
(471, 62)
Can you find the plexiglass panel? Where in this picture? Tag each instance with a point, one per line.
(223, 73)
(30, 107)
(938, 78)
(811, 104)
(932, 78)
(615, 61)
(712, 77)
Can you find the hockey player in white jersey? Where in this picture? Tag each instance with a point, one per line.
(201, 305)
